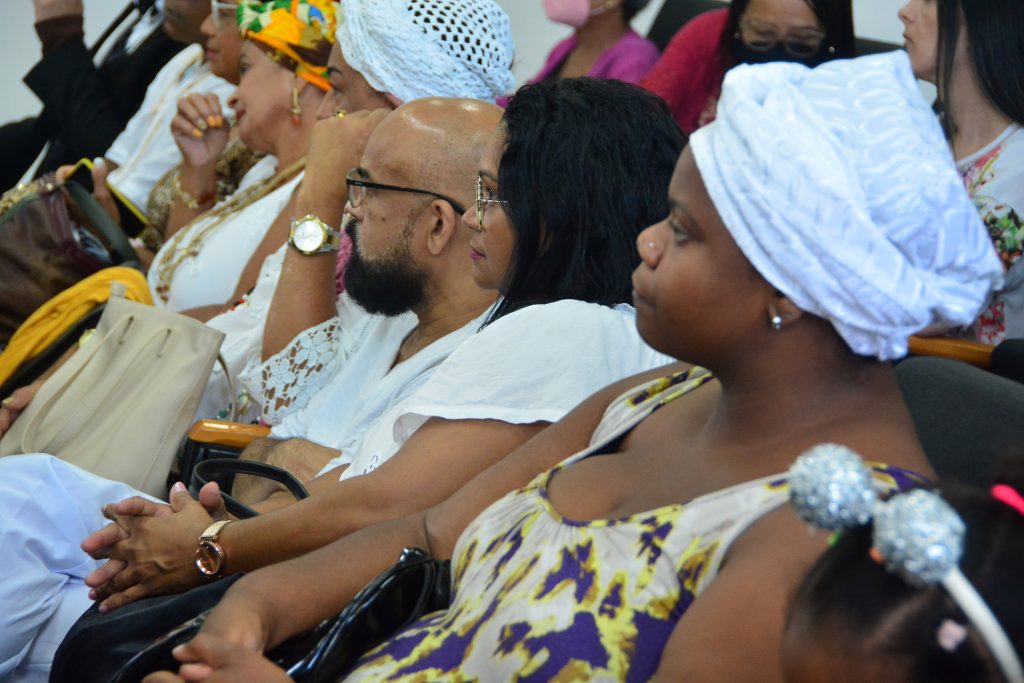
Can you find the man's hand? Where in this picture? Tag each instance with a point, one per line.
(334, 149)
(151, 548)
(51, 9)
(12, 406)
(209, 658)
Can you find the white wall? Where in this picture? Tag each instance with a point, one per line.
(19, 47)
(19, 50)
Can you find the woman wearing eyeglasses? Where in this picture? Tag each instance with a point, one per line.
(690, 72)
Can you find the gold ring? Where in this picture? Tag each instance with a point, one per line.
(340, 114)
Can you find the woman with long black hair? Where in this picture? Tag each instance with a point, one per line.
(974, 54)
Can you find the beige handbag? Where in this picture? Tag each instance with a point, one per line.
(120, 406)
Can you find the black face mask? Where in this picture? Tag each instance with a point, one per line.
(742, 54)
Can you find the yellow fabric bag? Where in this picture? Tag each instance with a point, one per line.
(53, 318)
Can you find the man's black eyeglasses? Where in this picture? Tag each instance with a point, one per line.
(357, 191)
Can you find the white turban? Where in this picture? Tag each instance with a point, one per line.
(424, 48)
(838, 186)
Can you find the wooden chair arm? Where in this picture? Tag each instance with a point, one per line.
(233, 434)
(970, 352)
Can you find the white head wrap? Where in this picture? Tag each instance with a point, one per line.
(424, 48)
(838, 185)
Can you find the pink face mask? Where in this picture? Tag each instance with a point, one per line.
(572, 12)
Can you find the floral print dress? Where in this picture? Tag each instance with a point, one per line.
(540, 597)
(994, 178)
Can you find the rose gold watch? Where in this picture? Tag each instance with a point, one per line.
(210, 555)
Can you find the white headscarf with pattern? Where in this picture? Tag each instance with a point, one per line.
(424, 48)
(839, 187)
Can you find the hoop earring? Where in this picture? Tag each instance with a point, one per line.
(296, 108)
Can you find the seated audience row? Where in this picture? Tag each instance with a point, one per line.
(557, 572)
(563, 295)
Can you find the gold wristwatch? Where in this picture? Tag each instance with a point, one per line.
(310, 235)
(210, 555)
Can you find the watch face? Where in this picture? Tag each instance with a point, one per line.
(209, 558)
(308, 236)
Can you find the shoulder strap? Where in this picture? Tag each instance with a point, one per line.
(108, 229)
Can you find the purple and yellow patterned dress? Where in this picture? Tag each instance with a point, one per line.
(539, 597)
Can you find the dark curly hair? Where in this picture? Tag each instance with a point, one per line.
(584, 169)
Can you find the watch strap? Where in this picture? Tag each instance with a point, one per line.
(214, 530)
(332, 236)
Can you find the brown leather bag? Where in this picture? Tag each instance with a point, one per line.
(40, 253)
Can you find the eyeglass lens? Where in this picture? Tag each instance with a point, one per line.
(355, 192)
(762, 38)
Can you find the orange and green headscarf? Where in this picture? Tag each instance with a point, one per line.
(297, 34)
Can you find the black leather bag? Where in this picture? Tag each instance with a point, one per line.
(414, 586)
(51, 236)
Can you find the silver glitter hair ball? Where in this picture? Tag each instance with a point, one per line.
(831, 488)
(920, 536)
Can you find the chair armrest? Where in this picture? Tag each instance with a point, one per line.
(214, 439)
(233, 434)
(970, 352)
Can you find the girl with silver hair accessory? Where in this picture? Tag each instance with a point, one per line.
(923, 587)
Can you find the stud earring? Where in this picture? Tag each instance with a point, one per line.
(296, 108)
(776, 322)
(650, 245)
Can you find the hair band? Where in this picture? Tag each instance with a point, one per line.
(918, 535)
(1009, 496)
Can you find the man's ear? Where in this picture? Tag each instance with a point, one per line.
(445, 224)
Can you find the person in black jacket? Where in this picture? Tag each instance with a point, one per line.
(85, 104)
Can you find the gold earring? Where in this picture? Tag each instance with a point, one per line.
(296, 108)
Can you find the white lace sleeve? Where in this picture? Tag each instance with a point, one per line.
(290, 378)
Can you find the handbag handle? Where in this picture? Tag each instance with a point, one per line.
(110, 230)
(82, 417)
(204, 471)
(232, 389)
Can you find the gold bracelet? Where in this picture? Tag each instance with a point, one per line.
(183, 196)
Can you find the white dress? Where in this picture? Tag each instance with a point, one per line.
(533, 365)
(211, 264)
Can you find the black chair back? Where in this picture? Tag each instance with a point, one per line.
(674, 14)
(967, 418)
